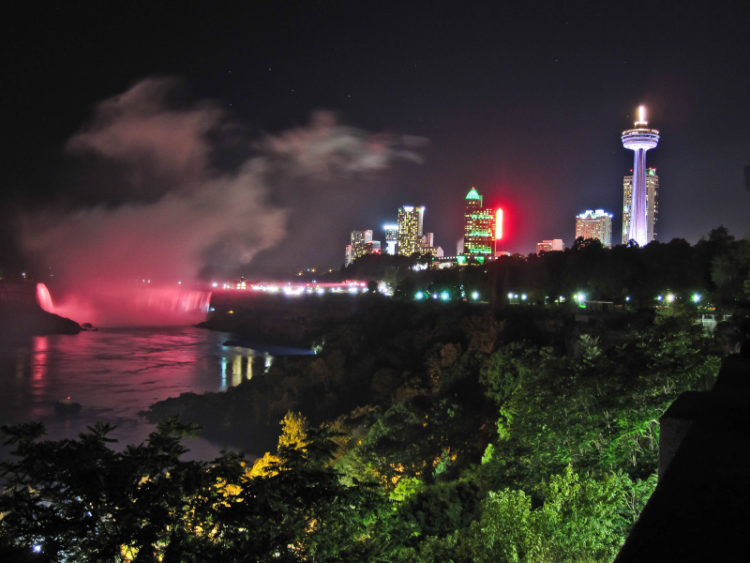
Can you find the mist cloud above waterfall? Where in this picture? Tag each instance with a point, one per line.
(164, 211)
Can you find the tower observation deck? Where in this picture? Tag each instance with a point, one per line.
(639, 140)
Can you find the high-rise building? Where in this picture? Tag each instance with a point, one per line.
(639, 140)
(652, 204)
(410, 221)
(595, 225)
(391, 238)
(554, 245)
(359, 244)
(479, 226)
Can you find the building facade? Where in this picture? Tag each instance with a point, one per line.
(652, 204)
(479, 226)
(595, 224)
(410, 224)
(391, 238)
(360, 243)
(429, 247)
(554, 245)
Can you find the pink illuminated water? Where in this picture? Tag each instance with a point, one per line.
(139, 305)
(115, 373)
(44, 298)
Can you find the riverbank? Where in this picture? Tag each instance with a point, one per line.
(371, 352)
(278, 319)
(17, 323)
(21, 316)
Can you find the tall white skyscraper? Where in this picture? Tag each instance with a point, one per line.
(652, 204)
(639, 140)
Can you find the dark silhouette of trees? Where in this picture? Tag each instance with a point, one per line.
(717, 268)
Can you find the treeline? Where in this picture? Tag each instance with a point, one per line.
(419, 432)
(717, 268)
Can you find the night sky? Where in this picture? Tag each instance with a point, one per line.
(329, 115)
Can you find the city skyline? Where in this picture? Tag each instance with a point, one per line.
(334, 125)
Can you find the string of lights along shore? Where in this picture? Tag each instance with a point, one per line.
(483, 226)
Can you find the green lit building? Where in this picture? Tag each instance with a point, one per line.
(479, 226)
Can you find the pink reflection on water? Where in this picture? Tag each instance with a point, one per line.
(39, 357)
(39, 363)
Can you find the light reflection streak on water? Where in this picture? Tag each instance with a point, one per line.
(223, 386)
(241, 361)
(236, 371)
(38, 360)
(240, 366)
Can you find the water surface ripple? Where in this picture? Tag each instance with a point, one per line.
(115, 373)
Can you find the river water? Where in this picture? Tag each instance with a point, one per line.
(115, 373)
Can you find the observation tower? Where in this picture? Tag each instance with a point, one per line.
(639, 140)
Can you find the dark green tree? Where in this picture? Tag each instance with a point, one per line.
(80, 500)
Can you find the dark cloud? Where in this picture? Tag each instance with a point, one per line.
(139, 129)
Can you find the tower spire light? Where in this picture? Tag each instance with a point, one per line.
(641, 116)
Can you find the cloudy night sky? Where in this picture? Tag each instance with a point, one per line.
(252, 137)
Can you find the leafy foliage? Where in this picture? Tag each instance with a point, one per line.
(79, 500)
